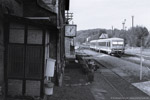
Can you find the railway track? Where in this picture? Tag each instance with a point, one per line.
(126, 56)
(124, 89)
(135, 55)
(145, 62)
(112, 86)
(108, 81)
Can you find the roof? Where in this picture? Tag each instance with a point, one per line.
(93, 41)
(103, 36)
(108, 39)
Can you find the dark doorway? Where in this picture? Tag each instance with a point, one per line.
(25, 60)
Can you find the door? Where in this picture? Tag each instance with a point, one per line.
(25, 60)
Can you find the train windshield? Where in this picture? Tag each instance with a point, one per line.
(117, 43)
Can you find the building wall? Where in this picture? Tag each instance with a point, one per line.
(67, 46)
(1, 53)
(53, 44)
(60, 43)
(13, 7)
(6, 7)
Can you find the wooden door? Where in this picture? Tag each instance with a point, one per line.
(25, 60)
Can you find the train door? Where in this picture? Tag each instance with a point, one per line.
(108, 47)
(108, 44)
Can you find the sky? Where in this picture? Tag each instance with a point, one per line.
(91, 14)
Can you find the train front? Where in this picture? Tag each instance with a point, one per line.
(117, 47)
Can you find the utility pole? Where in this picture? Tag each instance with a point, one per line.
(125, 28)
(123, 24)
(69, 17)
(112, 29)
(132, 21)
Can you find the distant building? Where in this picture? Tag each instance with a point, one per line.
(103, 36)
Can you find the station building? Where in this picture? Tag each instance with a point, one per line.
(31, 31)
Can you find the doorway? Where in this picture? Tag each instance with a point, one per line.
(25, 60)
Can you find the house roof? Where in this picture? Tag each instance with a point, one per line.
(103, 36)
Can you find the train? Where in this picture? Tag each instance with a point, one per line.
(110, 46)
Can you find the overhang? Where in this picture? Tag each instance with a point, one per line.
(43, 23)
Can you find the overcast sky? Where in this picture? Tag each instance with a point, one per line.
(89, 14)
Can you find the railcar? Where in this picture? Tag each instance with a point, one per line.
(109, 45)
(93, 44)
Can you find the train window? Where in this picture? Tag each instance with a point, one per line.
(102, 43)
(121, 43)
(117, 43)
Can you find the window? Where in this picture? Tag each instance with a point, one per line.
(35, 36)
(16, 34)
(117, 43)
(102, 43)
